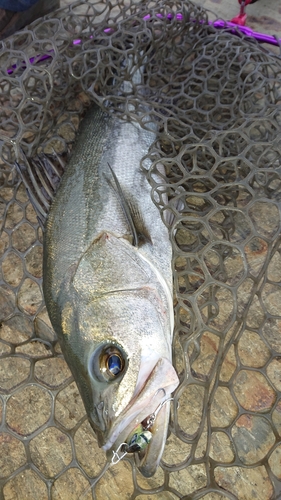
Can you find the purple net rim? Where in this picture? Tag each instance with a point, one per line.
(219, 24)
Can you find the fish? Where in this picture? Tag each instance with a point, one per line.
(108, 287)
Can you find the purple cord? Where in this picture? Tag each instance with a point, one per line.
(219, 24)
(234, 28)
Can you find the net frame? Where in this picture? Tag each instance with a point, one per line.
(215, 99)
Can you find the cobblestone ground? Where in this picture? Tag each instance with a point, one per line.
(226, 421)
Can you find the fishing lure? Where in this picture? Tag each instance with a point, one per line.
(140, 438)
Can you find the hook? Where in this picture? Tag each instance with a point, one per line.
(151, 418)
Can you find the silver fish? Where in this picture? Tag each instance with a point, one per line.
(108, 288)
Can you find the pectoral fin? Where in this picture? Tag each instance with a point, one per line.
(125, 208)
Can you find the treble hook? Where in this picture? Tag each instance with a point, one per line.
(151, 419)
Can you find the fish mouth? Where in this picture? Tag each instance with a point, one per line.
(149, 411)
(147, 460)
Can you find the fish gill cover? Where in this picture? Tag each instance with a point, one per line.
(215, 99)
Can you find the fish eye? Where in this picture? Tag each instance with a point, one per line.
(107, 363)
(114, 364)
(111, 362)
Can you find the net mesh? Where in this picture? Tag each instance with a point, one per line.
(216, 100)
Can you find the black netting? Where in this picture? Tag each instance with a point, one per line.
(215, 98)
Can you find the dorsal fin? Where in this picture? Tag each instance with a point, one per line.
(41, 176)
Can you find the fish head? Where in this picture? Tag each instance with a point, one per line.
(121, 362)
(116, 337)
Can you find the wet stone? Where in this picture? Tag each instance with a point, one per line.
(190, 409)
(214, 496)
(175, 451)
(190, 237)
(12, 454)
(223, 409)
(17, 329)
(228, 366)
(276, 417)
(7, 302)
(21, 194)
(253, 391)
(148, 483)
(240, 227)
(30, 214)
(275, 462)
(272, 333)
(271, 297)
(256, 315)
(4, 348)
(256, 252)
(121, 484)
(4, 243)
(246, 484)
(23, 237)
(33, 349)
(252, 350)
(67, 131)
(189, 282)
(69, 408)
(51, 451)
(234, 267)
(28, 409)
(33, 261)
(228, 270)
(184, 316)
(91, 458)
(27, 485)
(13, 372)
(7, 193)
(253, 437)
(40, 235)
(12, 269)
(274, 372)
(189, 479)
(14, 215)
(221, 449)
(29, 296)
(164, 495)
(265, 217)
(244, 293)
(274, 268)
(56, 144)
(52, 371)
(203, 365)
(222, 310)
